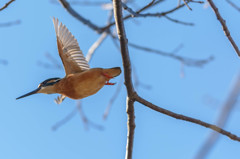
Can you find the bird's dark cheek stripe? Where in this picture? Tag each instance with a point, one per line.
(52, 83)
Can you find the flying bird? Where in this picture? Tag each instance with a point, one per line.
(80, 80)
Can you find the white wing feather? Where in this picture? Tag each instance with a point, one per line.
(70, 45)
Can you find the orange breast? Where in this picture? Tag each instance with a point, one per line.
(81, 85)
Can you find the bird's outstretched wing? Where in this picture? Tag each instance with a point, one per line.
(69, 50)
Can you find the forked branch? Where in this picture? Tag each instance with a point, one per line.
(6, 5)
(132, 95)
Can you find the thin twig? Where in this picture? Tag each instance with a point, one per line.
(185, 60)
(85, 21)
(177, 49)
(85, 3)
(161, 13)
(95, 45)
(65, 120)
(178, 21)
(99, 41)
(6, 5)
(115, 41)
(129, 9)
(137, 82)
(184, 1)
(233, 5)
(223, 117)
(10, 23)
(179, 2)
(114, 97)
(85, 120)
(134, 14)
(182, 72)
(186, 118)
(224, 26)
(53, 60)
(45, 65)
(149, 5)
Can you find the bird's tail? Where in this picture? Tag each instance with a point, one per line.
(113, 72)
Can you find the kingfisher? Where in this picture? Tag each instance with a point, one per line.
(80, 80)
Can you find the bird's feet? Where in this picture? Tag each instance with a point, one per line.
(108, 83)
(109, 77)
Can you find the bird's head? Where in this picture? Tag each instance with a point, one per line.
(46, 87)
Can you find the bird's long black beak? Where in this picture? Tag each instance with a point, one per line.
(30, 93)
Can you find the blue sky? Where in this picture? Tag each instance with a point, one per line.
(25, 125)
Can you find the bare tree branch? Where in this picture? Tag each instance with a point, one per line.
(117, 6)
(224, 26)
(137, 83)
(65, 120)
(166, 12)
(233, 5)
(123, 45)
(67, 6)
(149, 5)
(184, 1)
(185, 118)
(85, 21)
(223, 117)
(95, 45)
(114, 97)
(10, 23)
(115, 42)
(54, 62)
(179, 2)
(6, 5)
(131, 94)
(134, 14)
(178, 21)
(131, 127)
(184, 60)
(100, 40)
(45, 65)
(177, 49)
(85, 2)
(85, 120)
